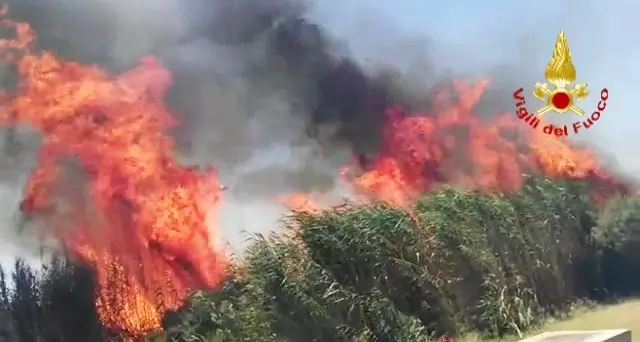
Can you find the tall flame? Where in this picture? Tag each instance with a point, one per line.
(144, 227)
(453, 145)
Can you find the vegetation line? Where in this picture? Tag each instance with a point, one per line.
(464, 262)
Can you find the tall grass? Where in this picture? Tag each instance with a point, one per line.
(458, 261)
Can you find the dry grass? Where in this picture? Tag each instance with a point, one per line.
(624, 315)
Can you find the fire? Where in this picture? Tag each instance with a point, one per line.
(299, 202)
(144, 222)
(453, 145)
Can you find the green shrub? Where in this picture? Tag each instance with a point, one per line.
(457, 261)
(379, 249)
(617, 235)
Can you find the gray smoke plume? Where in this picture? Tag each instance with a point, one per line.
(266, 94)
(262, 91)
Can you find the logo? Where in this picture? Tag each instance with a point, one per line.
(562, 97)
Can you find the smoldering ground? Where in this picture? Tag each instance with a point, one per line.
(261, 90)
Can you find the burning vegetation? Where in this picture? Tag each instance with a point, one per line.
(146, 224)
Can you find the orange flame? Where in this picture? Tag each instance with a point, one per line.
(453, 145)
(299, 202)
(144, 229)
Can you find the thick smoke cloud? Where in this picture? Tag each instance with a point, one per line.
(266, 94)
(261, 90)
(272, 52)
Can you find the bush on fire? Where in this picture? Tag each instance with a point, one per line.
(461, 261)
(467, 261)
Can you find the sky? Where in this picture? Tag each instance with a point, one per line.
(464, 38)
(471, 36)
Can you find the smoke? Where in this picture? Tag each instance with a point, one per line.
(259, 91)
(277, 102)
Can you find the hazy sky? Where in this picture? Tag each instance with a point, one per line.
(472, 35)
(471, 38)
(463, 37)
